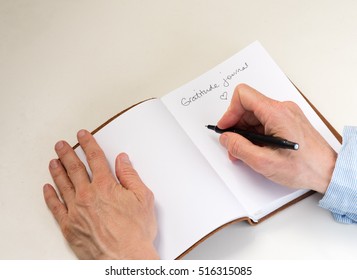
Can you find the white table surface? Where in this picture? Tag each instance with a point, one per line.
(67, 65)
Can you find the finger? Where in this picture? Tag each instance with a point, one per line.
(57, 208)
(94, 154)
(245, 99)
(128, 176)
(73, 165)
(258, 158)
(62, 181)
(232, 158)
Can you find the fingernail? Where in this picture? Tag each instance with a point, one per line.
(81, 133)
(46, 187)
(223, 140)
(54, 163)
(124, 158)
(59, 145)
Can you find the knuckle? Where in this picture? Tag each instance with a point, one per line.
(290, 104)
(102, 181)
(290, 107)
(128, 172)
(149, 195)
(57, 173)
(75, 166)
(65, 187)
(84, 197)
(146, 196)
(56, 209)
(94, 155)
(281, 110)
(234, 147)
(62, 184)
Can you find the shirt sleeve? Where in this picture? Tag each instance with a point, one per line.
(341, 195)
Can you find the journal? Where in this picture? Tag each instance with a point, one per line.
(197, 189)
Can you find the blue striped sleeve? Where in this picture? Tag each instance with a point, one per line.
(341, 195)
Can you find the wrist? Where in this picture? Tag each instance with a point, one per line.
(138, 251)
(145, 252)
(325, 172)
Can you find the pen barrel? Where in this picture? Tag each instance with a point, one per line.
(259, 139)
(267, 140)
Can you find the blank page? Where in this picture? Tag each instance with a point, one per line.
(191, 200)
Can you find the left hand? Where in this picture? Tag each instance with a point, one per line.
(100, 218)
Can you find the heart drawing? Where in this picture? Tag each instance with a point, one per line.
(223, 96)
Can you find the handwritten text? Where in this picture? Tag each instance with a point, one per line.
(226, 81)
(234, 73)
(187, 101)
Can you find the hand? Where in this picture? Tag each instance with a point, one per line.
(100, 218)
(310, 167)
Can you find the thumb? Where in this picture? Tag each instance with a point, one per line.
(126, 174)
(256, 157)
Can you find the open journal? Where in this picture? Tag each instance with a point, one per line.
(197, 188)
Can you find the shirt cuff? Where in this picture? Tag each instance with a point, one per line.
(341, 195)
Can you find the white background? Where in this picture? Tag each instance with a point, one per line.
(67, 65)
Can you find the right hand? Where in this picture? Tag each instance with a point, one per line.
(310, 167)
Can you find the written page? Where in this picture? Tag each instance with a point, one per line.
(204, 100)
(191, 200)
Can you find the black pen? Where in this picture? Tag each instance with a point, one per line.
(259, 138)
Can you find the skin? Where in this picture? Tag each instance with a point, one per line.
(104, 219)
(310, 167)
(100, 218)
